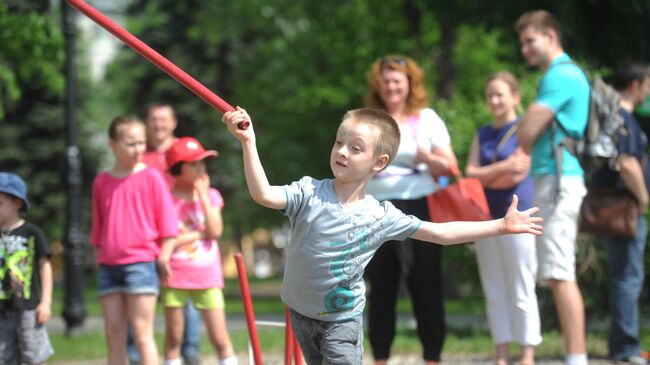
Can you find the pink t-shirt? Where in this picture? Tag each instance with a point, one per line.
(196, 265)
(130, 216)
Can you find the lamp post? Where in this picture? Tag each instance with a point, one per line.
(74, 309)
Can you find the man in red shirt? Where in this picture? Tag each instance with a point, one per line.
(161, 123)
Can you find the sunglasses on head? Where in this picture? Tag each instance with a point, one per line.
(393, 60)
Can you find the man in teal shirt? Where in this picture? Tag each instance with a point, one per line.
(562, 95)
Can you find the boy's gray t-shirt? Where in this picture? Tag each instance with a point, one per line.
(330, 247)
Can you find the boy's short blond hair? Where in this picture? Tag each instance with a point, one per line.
(541, 21)
(389, 134)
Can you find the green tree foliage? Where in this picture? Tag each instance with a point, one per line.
(31, 117)
(298, 65)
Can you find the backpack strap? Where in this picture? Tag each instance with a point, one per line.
(569, 142)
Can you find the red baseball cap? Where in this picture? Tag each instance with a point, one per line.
(187, 149)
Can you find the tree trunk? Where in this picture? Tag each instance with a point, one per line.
(444, 59)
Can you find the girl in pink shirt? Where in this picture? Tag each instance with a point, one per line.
(196, 261)
(134, 226)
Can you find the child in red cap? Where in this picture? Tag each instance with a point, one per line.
(196, 261)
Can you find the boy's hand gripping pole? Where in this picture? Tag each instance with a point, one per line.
(154, 57)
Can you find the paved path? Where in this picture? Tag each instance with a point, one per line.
(95, 323)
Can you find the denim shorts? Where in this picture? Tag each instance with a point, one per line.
(136, 278)
(22, 340)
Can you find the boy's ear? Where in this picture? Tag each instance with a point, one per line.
(382, 161)
(18, 203)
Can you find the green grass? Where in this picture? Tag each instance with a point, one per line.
(476, 343)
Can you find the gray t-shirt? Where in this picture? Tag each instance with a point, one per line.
(330, 247)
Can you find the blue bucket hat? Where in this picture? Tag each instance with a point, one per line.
(13, 185)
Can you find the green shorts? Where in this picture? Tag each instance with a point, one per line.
(202, 298)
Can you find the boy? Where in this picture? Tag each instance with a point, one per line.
(25, 279)
(336, 228)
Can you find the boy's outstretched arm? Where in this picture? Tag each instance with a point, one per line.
(261, 191)
(458, 232)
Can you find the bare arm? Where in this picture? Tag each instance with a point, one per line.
(487, 174)
(632, 175)
(261, 191)
(188, 237)
(44, 308)
(167, 247)
(440, 160)
(501, 174)
(213, 222)
(533, 124)
(458, 232)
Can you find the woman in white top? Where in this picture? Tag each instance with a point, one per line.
(395, 84)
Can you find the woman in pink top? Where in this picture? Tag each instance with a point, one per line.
(196, 261)
(134, 226)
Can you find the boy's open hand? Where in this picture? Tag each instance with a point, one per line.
(232, 120)
(522, 222)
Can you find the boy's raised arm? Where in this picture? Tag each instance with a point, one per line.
(261, 191)
(458, 232)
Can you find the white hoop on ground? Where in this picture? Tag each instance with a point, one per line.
(251, 359)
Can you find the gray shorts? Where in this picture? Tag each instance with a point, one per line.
(22, 341)
(329, 343)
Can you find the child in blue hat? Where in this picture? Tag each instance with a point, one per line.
(25, 279)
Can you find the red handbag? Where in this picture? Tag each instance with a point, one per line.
(463, 200)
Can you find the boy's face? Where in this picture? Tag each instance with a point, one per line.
(353, 155)
(9, 208)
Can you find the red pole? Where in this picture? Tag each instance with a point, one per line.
(154, 57)
(248, 308)
(288, 339)
(297, 352)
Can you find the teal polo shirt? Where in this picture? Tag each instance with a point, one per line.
(564, 89)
